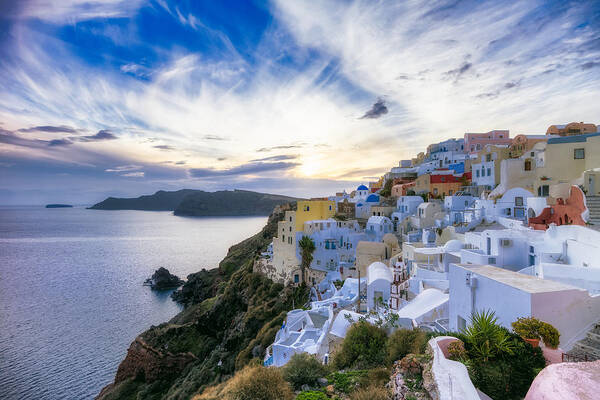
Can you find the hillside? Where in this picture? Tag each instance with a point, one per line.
(159, 201)
(237, 202)
(199, 203)
(231, 315)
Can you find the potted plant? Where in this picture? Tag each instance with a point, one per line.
(532, 330)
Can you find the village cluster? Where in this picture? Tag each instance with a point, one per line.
(485, 222)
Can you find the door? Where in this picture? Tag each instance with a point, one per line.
(489, 246)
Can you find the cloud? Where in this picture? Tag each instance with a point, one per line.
(164, 147)
(50, 128)
(124, 168)
(134, 174)
(214, 137)
(250, 168)
(100, 136)
(59, 142)
(377, 110)
(281, 147)
(284, 157)
(589, 65)
(457, 73)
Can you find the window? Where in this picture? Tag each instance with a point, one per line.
(519, 201)
(477, 173)
(579, 154)
(435, 191)
(290, 219)
(488, 157)
(527, 165)
(296, 278)
(489, 172)
(449, 192)
(283, 238)
(532, 154)
(329, 208)
(443, 179)
(544, 191)
(290, 228)
(290, 240)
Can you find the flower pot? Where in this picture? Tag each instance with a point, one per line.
(533, 342)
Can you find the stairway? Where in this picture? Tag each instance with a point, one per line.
(593, 205)
(587, 349)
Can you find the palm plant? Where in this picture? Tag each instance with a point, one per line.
(487, 338)
(307, 247)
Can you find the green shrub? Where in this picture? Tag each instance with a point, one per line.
(347, 382)
(258, 383)
(487, 339)
(302, 369)
(508, 376)
(533, 328)
(405, 341)
(363, 347)
(311, 395)
(371, 393)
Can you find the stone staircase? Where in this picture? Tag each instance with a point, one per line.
(593, 205)
(587, 349)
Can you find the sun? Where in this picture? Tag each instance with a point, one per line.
(310, 167)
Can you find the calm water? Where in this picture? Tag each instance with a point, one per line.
(71, 294)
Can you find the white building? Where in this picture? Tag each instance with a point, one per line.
(512, 295)
(302, 332)
(377, 227)
(379, 281)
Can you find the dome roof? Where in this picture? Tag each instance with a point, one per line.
(379, 270)
(362, 187)
(453, 245)
(373, 198)
(359, 205)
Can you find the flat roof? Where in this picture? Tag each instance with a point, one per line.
(526, 283)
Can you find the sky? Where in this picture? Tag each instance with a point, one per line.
(125, 97)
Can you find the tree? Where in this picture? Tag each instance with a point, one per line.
(307, 248)
(486, 337)
(387, 188)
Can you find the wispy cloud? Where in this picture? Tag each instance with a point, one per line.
(164, 147)
(251, 168)
(102, 134)
(124, 168)
(377, 110)
(50, 128)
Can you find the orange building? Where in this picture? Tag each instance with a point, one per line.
(573, 128)
(402, 188)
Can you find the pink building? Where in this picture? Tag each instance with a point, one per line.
(474, 142)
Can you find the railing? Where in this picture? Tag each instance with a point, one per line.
(574, 358)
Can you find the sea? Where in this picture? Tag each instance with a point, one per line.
(71, 293)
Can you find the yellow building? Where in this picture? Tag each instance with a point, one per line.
(310, 210)
(565, 160)
(573, 128)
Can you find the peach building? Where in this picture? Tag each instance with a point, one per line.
(524, 143)
(564, 211)
(474, 142)
(402, 188)
(570, 129)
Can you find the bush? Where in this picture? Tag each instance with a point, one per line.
(258, 383)
(378, 377)
(533, 328)
(303, 369)
(508, 376)
(371, 393)
(311, 395)
(487, 339)
(405, 341)
(363, 347)
(456, 351)
(346, 382)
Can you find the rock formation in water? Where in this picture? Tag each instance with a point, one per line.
(162, 279)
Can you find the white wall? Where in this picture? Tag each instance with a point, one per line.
(507, 302)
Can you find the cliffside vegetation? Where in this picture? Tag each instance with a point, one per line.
(231, 315)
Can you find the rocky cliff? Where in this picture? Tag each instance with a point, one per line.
(231, 315)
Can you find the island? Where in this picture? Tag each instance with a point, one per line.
(162, 279)
(190, 202)
(59, 206)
